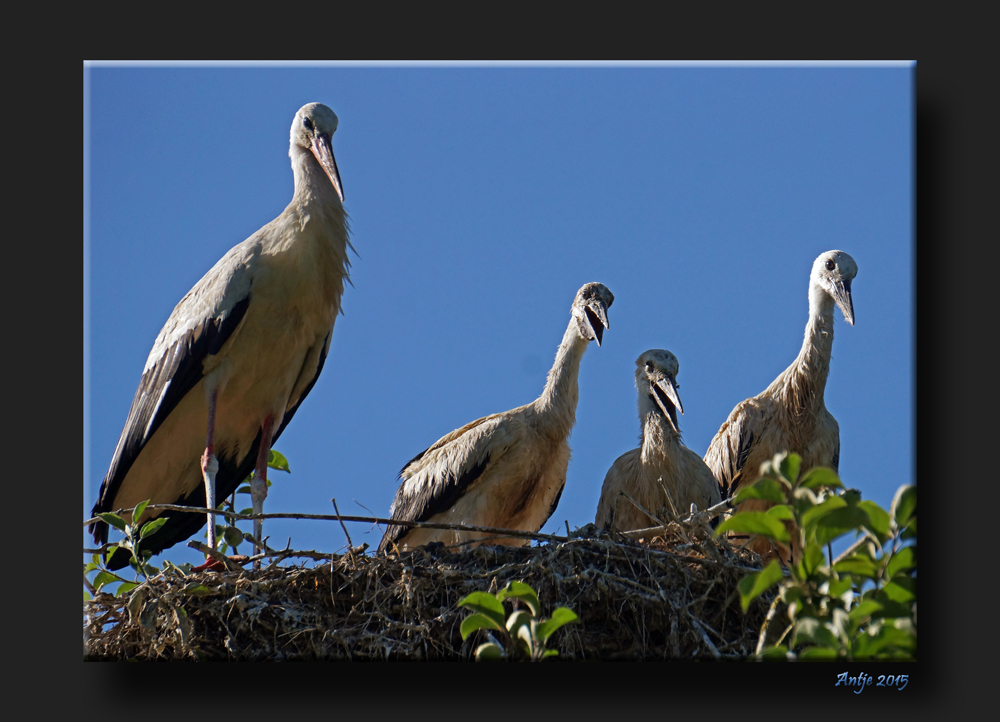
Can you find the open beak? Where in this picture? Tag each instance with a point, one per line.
(842, 297)
(665, 393)
(596, 314)
(322, 148)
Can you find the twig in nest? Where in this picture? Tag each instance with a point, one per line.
(704, 635)
(350, 544)
(670, 499)
(641, 508)
(216, 555)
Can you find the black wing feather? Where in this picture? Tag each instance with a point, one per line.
(420, 507)
(172, 377)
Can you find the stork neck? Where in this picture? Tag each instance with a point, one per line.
(806, 381)
(312, 186)
(657, 433)
(562, 391)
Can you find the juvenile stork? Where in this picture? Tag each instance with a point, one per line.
(661, 455)
(238, 355)
(789, 415)
(506, 470)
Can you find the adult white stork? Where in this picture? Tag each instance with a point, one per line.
(789, 415)
(661, 455)
(238, 355)
(506, 470)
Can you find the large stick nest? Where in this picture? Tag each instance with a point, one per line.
(673, 597)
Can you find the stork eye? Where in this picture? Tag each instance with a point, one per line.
(830, 265)
(307, 123)
(649, 365)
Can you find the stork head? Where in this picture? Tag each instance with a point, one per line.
(832, 273)
(656, 377)
(312, 130)
(590, 309)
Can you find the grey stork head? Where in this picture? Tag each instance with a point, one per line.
(590, 309)
(312, 129)
(656, 377)
(832, 273)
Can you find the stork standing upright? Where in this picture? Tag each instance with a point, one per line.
(237, 356)
(789, 415)
(506, 470)
(661, 455)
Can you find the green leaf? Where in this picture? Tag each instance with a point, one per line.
(197, 590)
(851, 496)
(477, 621)
(517, 619)
(489, 652)
(838, 522)
(139, 508)
(276, 460)
(819, 653)
(903, 560)
(150, 527)
(789, 466)
(856, 565)
(753, 585)
(764, 488)
(812, 558)
(820, 476)
(775, 654)
(820, 510)
(901, 589)
(780, 512)
(754, 522)
(245, 489)
(811, 630)
(485, 604)
(561, 616)
(865, 609)
(125, 587)
(103, 578)
(247, 512)
(550, 653)
(878, 519)
(113, 519)
(86, 595)
(233, 536)
(886, 640)
(526, 636)
(520, 590)
(904, 505)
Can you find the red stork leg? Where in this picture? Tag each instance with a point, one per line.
(258, 486)
(210, 467)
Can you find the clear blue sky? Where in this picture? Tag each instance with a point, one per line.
(481, 198)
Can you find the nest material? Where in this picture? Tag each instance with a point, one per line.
(673, 597)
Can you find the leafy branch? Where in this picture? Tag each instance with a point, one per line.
(522, 631)
(861, 605)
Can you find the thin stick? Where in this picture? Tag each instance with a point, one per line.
(216, 555)
(767, 623)
(366, 519)
(350, 544)
(641, 508)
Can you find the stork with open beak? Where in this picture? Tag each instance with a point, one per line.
(790, 414)
(661, 456)
(237, 356)
(506, 470)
